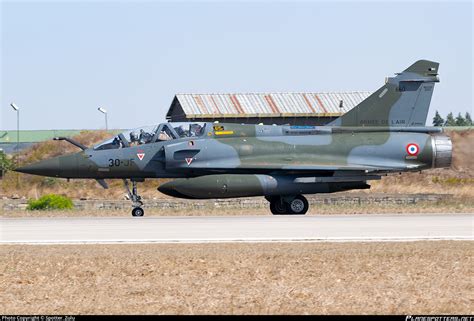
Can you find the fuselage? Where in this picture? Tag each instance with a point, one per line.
(256, 149)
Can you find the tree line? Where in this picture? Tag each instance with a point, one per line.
(459, 120)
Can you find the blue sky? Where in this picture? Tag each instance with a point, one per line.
(61, 60)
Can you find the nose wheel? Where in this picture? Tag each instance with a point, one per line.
(138, 211)
(135, 198)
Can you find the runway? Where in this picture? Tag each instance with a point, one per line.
(204, 229)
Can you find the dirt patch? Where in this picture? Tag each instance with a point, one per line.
(314, 278)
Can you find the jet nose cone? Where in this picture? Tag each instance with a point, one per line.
(48, 167)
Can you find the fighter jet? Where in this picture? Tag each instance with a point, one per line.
(384, 134)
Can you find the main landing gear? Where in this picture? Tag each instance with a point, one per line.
(135, 198)
(288, 205)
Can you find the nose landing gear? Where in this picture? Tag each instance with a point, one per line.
(138, 211)
(135, 198)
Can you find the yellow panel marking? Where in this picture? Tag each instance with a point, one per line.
(224, 132)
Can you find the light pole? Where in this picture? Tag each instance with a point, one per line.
(104, 111)
(15, 108)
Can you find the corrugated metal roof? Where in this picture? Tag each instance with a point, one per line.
(268, 104)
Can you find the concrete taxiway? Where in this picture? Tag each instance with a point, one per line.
(190, 229)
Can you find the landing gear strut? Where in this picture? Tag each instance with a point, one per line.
(288, 205)
(135, 198)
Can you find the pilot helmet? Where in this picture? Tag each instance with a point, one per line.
(133, 136)
(195, 129)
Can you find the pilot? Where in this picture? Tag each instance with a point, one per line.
(195, 130)
(133, 138)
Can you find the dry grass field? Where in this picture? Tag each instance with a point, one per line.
(304, 278)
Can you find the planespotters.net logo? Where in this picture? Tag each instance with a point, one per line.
(438, 318)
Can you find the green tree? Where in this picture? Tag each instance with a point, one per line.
(450, 121)
(468, 119)
(5, 163)
(438, 120)
(460, 121)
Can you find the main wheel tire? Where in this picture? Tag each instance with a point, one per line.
(278, 207)
(138, 211)
(298, 206)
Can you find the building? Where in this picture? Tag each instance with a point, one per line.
(267, 108)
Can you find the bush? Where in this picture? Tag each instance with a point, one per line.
(49, 181)
(50, 202)
(6, 164)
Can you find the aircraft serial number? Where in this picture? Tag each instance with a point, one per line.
(113, 162)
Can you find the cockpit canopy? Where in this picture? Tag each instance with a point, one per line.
(153, 134)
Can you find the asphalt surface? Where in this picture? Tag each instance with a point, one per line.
(204, 229)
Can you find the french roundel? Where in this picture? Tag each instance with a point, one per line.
(413, 149)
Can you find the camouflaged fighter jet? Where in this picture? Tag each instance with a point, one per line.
(383, 134)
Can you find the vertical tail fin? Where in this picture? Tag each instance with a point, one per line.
(403, 101)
